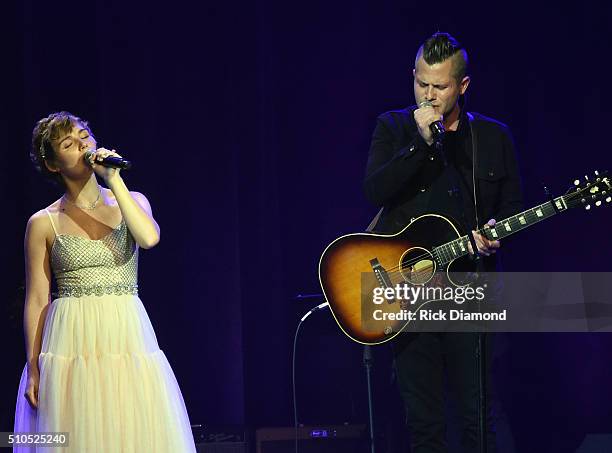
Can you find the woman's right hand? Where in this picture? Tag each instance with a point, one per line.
(31, 392)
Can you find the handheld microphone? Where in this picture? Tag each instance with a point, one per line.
(436, 128)
(109, 161)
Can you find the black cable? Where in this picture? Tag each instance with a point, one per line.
(297, 330)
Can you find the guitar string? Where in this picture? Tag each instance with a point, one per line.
(413, 261)
(445, 254)
(443, 258)
(405, 265)
(528, 213)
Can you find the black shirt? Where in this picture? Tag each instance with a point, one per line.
(450, 186)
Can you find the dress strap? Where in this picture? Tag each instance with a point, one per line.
(51, 219)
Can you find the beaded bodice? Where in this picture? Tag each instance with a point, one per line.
(87, 267)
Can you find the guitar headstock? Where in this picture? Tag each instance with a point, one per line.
(591, 192)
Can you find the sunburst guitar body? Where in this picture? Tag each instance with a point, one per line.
(352, 265)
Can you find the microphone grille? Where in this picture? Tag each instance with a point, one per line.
(87, 155)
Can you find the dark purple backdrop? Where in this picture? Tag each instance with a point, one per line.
(249, 125)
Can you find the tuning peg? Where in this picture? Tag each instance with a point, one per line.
(587, 207)
(598, 203)
(608, 200)
(586, 177)
(596, 173)
(577, 182)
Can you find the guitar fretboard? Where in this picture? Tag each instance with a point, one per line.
(446, 253)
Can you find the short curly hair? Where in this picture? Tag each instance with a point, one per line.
(47, 130)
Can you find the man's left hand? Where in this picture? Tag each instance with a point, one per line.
(485, 247)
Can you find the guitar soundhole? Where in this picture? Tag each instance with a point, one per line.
(417, 266)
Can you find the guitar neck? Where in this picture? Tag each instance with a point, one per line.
(457, 248)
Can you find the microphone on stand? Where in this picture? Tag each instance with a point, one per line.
(109, 161)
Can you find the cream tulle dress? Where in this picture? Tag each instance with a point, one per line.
(103, 378)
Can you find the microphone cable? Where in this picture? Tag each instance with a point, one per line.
(297, 330)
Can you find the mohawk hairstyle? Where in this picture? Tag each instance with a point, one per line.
(442, 46)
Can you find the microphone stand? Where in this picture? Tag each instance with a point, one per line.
(293, 360)
(481, 364)
(368, 362)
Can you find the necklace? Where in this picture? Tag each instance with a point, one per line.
(89, 207)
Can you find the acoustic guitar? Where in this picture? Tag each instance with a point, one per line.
(355, 266)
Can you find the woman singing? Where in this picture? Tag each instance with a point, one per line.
(94, 368)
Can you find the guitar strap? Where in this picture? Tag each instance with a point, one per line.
(376, 218)
(374, 221)
(460, 196)
(474, 163)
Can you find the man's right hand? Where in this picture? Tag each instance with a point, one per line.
(424, 117)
